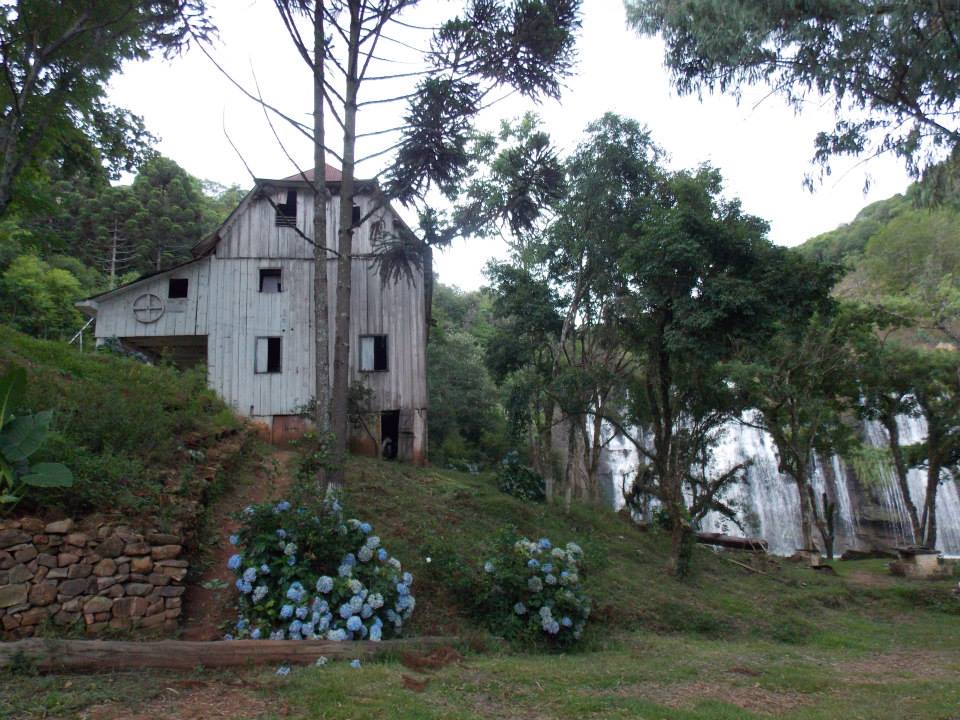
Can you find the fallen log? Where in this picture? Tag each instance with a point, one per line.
(51, 655)
(731, 541)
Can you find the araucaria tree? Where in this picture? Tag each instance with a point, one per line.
(891, 66)
(521, 45)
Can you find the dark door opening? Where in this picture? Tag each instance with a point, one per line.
(389, 434)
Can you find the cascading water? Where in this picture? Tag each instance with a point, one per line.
(870, 512)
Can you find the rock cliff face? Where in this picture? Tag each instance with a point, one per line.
(871, 512)
(100, 577)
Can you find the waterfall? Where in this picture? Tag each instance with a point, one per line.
(870, 512)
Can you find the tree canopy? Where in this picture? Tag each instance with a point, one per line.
(892, 67)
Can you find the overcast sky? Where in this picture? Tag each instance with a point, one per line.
(762, 147)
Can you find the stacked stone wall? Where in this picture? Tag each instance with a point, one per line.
(104, 578)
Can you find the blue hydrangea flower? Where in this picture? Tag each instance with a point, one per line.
(345, 571)
(290, 549)
(488, 566)
(242, 624)
(520, 608)
(382, 555)
(283, 670)
(356, 602)
(375, 600)
(356, 587)
(255, 634)
(307, 629)
(402, 589)
(250, 574)
(337, 635)
(535, 584)
(365, 554)
(234, 562)
(533, 563)
(302, 612)
(282, 506)
(566, 622)
(259, 593)
(366, 611)
(349, 559)
(345, 611)
(295, 592)
(243, 586)
(547, 568)
(277, 635)
(286, 611)
(407, 579)
(550, 580)
(544, 544)
(354, 623)
(324, 584)
(373, 542)
(355, 663)
(265, 569)
(376, 633)
(366, 528)
(553, 628)
(234, 539)
(281, 533)
(228, 636)
(295, 628)
(291, 561)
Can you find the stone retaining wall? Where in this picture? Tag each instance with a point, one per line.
(106, 577)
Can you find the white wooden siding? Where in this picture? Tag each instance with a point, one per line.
(225, 304)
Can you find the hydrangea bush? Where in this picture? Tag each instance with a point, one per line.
(308, 573)
(532, 590)
(515, 478)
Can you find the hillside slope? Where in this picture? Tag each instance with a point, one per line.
(440, 524)
(141, 440)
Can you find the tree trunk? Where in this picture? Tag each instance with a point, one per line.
(900, 467)
(321, 318)
(806, 512)
(930, 503)
(341, 351)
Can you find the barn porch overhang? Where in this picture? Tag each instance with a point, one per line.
(184, 351)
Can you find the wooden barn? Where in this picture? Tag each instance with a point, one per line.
(244, 307)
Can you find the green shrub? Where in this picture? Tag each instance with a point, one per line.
(531, 591)
(304, 572)
(515, 478)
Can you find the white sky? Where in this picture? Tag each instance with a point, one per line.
(763, 150)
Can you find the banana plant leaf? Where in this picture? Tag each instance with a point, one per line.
(48, 475)
(12, 384)
(23, 436)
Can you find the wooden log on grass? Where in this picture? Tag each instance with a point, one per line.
(51, 655)
(757, 545)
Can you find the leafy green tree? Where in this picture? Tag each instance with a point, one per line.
(799, 385)
(466, 422)
(39, 299)
(891, 67)
(57, 59)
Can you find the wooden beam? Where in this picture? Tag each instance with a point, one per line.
(51, 655)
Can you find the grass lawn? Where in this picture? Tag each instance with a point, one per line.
(724, 643)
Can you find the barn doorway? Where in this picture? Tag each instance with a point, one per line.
(389, 434)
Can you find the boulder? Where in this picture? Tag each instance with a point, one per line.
(42, 593)
(11, 595)
(11, 537)
(111, 547)
(166, 552)
(105, 568)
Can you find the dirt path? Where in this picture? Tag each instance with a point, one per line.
(207, 604)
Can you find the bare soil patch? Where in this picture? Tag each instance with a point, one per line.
(208, 601)
(192, 700)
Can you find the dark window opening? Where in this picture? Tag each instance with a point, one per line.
(268, 355)
(355, 218)
(373, 353)
(177, 288)
(270, 280)
(389, 434)
(287, 212)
